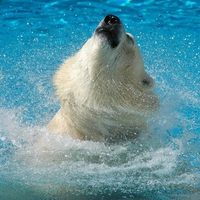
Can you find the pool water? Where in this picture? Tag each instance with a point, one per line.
(162, 163)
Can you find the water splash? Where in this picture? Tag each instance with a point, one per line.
(56, 165)
(163, 163)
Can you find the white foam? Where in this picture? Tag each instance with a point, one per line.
(38, 159)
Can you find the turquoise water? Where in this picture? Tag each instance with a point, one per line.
(163, 163)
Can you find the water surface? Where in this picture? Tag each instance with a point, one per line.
(163, 163)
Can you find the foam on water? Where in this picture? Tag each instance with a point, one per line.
(155, 165)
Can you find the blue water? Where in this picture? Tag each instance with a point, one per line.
(163, 163)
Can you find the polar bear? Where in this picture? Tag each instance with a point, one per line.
(105, 93)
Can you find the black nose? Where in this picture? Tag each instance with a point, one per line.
(111, 19)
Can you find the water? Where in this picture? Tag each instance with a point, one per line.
(163, 163)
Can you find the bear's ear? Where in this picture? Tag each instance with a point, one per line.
(147, 83)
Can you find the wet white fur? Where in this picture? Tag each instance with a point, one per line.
(102, 93)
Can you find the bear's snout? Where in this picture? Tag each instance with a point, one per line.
(111, 19)
(110, 29)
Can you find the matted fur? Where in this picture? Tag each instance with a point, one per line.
(105, 92)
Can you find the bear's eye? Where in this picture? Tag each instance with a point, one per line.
(145, 82)
(130, 38)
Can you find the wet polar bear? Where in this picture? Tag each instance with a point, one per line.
(104, 90)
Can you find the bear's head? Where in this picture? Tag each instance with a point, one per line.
(113, 50)
(103, 88)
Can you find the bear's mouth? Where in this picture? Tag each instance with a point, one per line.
(110, 28)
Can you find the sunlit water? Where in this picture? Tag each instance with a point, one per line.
(162, 163)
